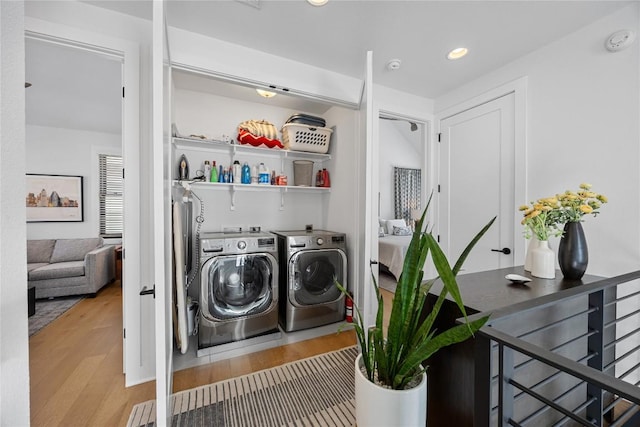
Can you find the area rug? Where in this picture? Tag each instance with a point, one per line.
(48, 310)
(318, 391)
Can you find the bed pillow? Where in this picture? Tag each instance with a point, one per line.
(395, 223)
(401, 231)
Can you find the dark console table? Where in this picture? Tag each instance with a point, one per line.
(451, 372)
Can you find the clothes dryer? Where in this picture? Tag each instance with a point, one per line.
(309, 263)
(238, 287)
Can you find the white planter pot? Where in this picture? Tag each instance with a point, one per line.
(377, 406)
(543, 261)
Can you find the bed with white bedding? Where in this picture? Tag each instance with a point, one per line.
(391, 251)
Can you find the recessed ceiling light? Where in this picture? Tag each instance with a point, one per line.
(317, 2)
(266, 93)
(457, 53)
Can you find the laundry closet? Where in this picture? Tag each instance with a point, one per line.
(228, 231)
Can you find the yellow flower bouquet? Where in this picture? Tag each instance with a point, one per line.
(545, 217)
(542, 218)
(576, 204)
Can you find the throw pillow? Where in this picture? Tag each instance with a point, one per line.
(401, 231)
(395, 223)
(39, 250)
(74, 249)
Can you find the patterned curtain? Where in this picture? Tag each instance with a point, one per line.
(407, 189)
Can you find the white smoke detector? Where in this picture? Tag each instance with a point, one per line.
(620, 40)
(393, 65)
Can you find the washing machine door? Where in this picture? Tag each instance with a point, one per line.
(312, 275)
(239, 285)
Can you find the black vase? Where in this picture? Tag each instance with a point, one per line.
(573, 255)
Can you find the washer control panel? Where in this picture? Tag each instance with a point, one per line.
(237, 244)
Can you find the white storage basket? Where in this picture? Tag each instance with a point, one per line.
(298, 137)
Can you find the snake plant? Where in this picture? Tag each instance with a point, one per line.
(411, 339)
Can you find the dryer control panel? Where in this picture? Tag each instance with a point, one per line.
(315, 241)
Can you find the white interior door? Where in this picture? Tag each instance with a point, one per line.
(162, 213)
(365, 297)
(477, 183)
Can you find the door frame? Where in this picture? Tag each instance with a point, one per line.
(427, 164)
(128, 53)
(519, 88)
(364, 296)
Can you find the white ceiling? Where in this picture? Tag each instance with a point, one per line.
(419, 33)
(72, 88)
(337, 36)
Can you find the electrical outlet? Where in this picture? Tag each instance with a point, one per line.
(308, 228)
(254, 229)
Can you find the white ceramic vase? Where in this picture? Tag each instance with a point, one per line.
(543, 261)
(378, 406)
(528, 260)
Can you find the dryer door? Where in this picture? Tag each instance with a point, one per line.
(312, 273)
(238, 285)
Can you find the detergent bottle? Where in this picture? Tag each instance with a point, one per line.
(207, 171)
(264, 177)
(237, 172)
(246, 173)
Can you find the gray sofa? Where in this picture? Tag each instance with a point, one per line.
(61, 267)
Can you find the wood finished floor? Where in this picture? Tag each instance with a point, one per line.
(76, 365)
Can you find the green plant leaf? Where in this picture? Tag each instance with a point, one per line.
(451, 336)
(410, 336)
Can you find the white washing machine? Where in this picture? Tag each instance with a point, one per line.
(309, 262)
(238, 287)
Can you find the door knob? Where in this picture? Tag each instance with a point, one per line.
(505, 251)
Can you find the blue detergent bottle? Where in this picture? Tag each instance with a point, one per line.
(246, 174)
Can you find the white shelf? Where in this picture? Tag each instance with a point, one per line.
(233, 188)
(223, 146)
(251, 187)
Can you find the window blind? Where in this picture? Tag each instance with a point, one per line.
(111, 200)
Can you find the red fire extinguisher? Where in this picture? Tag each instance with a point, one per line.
(348, 302)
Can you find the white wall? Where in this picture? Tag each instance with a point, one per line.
(14, 350)
(187, 48)
(583, 114)
(59, 151)
(395, 151)
(582, 126)
(403, 104)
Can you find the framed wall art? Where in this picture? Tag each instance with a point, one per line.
(54, 198)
